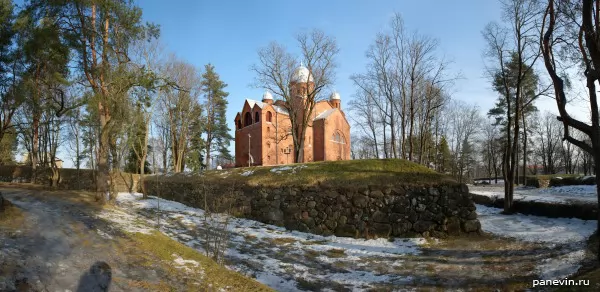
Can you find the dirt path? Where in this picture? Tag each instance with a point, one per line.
(294, 261)
(62, 243)
(55, 243)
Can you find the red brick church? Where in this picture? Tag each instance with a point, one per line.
(263, 128)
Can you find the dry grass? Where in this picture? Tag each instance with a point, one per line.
(282, 240)
(215, 276)
(11, 219)
(350, 173)
(335, 253)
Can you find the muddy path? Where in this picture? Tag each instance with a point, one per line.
(294, 261)
(56, 242)
(61, 242)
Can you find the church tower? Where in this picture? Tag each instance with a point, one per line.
(302, 82)
(335, 100)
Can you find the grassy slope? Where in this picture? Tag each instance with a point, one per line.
(214, 276)
(349, 173)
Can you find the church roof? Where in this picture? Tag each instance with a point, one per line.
(280, 109)
(325, 114)
(252, 102)
(302, 74)
(260, 104)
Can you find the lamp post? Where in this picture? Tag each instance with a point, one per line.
(249, 155)
(287, 151)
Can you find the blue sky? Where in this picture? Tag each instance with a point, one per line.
(229, 33)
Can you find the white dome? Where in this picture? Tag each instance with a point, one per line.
(301, 74)
(267, 96)
(335, 95)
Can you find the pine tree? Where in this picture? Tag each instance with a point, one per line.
(466, 158)
(215, 103)
(194, 157)
(444, 159)
(8, 146)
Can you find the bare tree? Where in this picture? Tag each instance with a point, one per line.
(275, 72)
(490, 149)
(547, 136)
(514, 52)
(560, 21)
(181, 107)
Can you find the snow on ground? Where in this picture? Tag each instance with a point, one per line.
(247, 172)
(564, 194)
(569, 234)
(282, 169)
(276, 273)
(535, 228)
(126, 221)
(284, 259)
(187, 265)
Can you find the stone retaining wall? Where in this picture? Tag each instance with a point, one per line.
(369, 212)
(547, 209)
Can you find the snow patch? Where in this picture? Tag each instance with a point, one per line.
(184, 264)
(562, 266)
(535, 228)
(104, 234)
(247, 173)
(563, 194)
(281, 169)
(125, 221)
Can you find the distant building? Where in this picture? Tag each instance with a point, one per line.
(263, 128)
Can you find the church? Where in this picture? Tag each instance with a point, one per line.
(263, 128)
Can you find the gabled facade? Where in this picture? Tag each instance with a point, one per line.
(263, 129)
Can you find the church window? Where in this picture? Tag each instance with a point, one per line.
(247, 119)
(268, 130)
(239, 124)
(256, 117)
(269, 117)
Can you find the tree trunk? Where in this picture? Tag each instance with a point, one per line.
(208, 145)
(34, 146)
(524, 148)
(102, 176)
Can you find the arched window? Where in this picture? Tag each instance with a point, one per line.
(247, 119)
(338, 138)
(239, 124)
(256, 117)
(268, 130)
(269, 117)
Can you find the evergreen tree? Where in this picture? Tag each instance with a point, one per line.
(137, 142)
(195, 158)
(8, 147)
(215, 103)
(9, 93)
(444, 159)
(466, 159)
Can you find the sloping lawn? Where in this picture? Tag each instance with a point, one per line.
(349, 173)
